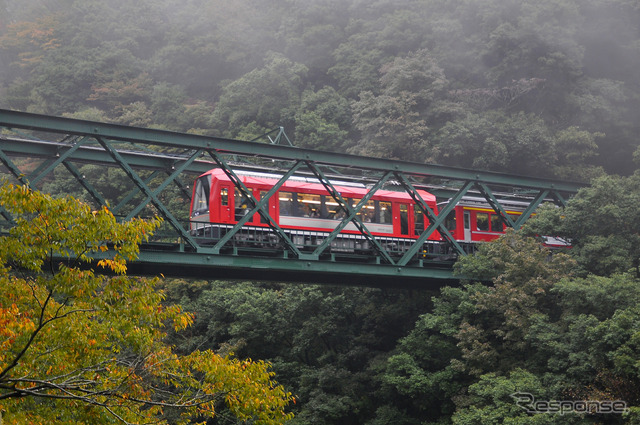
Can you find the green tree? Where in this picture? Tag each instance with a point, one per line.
(395, 124)
(601, 222)
(575, 152)
(323, 120)
(492, 400)
(311, 31)
(267, 96)
(577, 338)
(518, 143)
(80, 347)
(326, 344)
(167, 105)
(376, 35)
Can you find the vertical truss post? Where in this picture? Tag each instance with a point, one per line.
(436, 221)
(145, 189)
(257, 206)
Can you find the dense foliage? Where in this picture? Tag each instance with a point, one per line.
(77, 347)
(546, 88)
(525, 86)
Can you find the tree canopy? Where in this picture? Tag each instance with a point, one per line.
(81, 347)
(553, 81)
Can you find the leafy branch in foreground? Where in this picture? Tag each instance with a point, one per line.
(80, 347)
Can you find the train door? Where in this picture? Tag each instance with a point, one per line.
(270, 207)
(467, 226)
(404, 219)
(418, 221)
(225, 207)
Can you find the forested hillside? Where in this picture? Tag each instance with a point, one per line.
(538, 87)
(532, 87)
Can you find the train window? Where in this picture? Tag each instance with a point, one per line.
(369, 213)
(324, 207)
(384, 211)
(482, 221)
(496, 223)
(337, 213)
(333, 210)
(224, 197)
(286, 203)
(201, 197)
(309, 205)
(353, 203)
(242, 203)
(450, 221)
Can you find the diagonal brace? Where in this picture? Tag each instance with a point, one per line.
(133, 192)
(145, 189)
(257, 206)
(7, 215)
(495, 204)
(531, 208)
(436, 221)
(67, 153)
(13, 169)
(183, 188)
(164, 184)
(83, 181)
(352, 214)
(560, 201)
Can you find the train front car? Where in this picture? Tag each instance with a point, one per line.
(199, 215)
(307, 213)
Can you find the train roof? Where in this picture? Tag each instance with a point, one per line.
(480, 202)
(347, 189)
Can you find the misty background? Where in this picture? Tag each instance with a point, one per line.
(531, 87)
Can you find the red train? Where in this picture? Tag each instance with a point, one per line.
(473, 220)
(307, 213)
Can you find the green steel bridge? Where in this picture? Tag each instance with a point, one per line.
(159, 167)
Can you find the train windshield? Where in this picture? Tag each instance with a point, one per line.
(201, 196)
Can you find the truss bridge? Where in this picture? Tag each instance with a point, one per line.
(155, 171)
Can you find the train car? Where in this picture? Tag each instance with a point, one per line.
(306, 212)
(474, 220)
